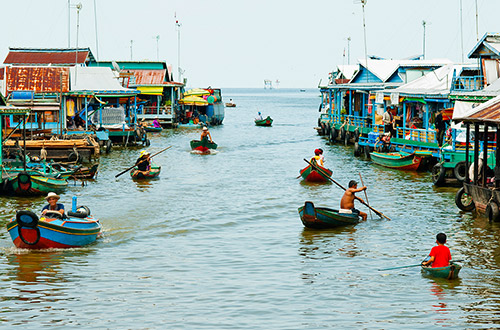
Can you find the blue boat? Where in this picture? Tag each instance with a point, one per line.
(52, 230)
(322, 217)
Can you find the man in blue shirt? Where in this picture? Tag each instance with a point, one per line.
(53, 205)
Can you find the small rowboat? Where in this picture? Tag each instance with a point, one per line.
(51, 231)
(322, 217)
(191, 125)
(311, 174)
(398, 160)
(26, 184)
(264, 122)
(153, 172)
(449, 272)
(203, 146)
(230, 105)
(153, 129)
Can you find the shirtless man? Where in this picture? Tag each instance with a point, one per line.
(347, 201)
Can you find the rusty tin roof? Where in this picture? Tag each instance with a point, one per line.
(38, 79)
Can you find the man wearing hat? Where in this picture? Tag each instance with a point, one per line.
(53, 205)
(205, 134)
(259, 116)
(143, 163)
(347, 201)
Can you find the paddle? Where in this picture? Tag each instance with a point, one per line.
(366, 196)
(420, 264)
(131, 167)
(380, 214)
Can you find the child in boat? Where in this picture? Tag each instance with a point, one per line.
(317, 158)
(440, 255)
(321, 155)
(143, 163)
(205, 134)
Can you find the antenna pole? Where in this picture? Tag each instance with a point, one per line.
(78, 8)
(363, 3)
(69, 24)
(131, 47)
(96, 40)
(178, 25)
(461, 33)
(348, 50)
(423, 51)
(477, 23)
(158, 48)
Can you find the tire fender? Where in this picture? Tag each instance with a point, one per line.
(460, 171)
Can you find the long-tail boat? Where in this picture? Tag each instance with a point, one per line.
(153, 172)
(264, 122)
(449, 272)
(322, 217)
(398, 160)
(53, 230)
(311, 174)
(203, 146)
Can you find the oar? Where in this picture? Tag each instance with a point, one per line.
(131, 167)
(366, 195)
(414, 265)
(380, 214)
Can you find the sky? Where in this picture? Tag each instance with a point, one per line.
(239, 43)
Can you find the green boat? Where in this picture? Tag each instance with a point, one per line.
(203, 146)
(398, 160)
(264, 122)
(26, 184)
(322, 217)
(450, 272)
(153, 172)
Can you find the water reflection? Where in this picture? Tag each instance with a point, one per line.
(28, 266)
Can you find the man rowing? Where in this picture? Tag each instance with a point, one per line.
(347, 201)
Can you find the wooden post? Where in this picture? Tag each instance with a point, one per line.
(485, 155)
(476, 151)
(467, 141)
(497, 162)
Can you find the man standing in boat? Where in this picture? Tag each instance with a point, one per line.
(388, 119)
(347, 201)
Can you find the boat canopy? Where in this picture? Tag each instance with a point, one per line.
(197, 92)
(193, 100)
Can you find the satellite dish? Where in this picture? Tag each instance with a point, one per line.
(115, 66)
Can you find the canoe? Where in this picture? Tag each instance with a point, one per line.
(85, 172)
(50, 231)
(26, 184)
(310, 174)
(230, 105)
(153, 172)
(322, 217)
(398, 160)
(203, 146)
(450, 272)
(153, 129)
(264, 122)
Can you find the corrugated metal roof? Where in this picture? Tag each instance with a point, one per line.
(38, 79)
(54, 56)
(99, 80)
(148, 77)
(486, 112)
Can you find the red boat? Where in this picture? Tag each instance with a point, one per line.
(310, 174)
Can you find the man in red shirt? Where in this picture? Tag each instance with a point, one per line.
(440, 255)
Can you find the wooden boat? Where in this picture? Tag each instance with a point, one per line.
(399, 160)
(203, 146)
(230, 105)
(85, 172)
(191, 125)
(310, 174)
(264, 122)
(153, 172)
(450, 272)
(153, 129)
(51, 231)
(322, 217)
(26, 184)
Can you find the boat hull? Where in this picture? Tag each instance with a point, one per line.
(322, 217)
(153, 129)
(24, 184)
(264, 122)
(450, 272)
(153, 172)
(310, 174)
(203, 146)
(54, 233)
(397, 160)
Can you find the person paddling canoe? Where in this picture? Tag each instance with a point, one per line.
(440, 255)
(143, 163)
(347, 201)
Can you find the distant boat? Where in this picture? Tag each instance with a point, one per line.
(302, 90)
(264, 122)
(230, 105)
(153, 172)
(397, 160)
(203, 146)
(311, 174)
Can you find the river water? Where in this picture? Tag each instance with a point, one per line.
(216, 242)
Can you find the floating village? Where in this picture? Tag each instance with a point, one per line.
(63, 113)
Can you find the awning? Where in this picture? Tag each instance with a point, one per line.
(197, 91)
(193, 100)
(150, 90)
